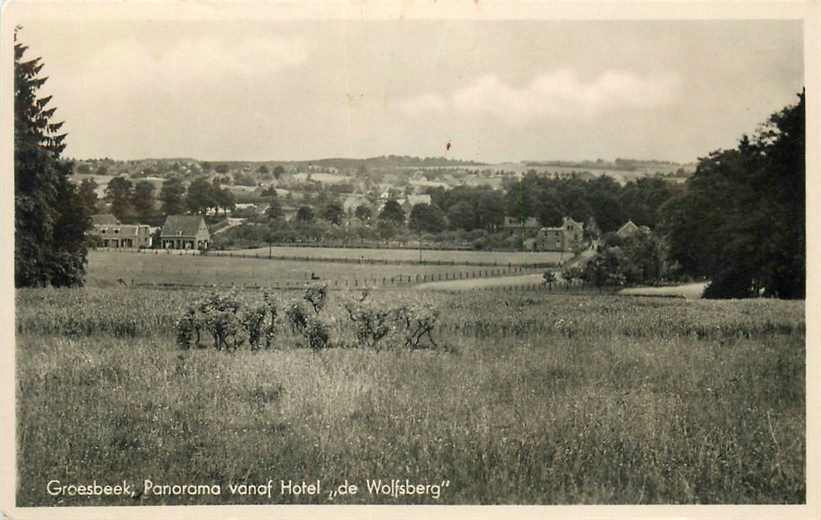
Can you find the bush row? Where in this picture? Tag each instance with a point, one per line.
(229, 323)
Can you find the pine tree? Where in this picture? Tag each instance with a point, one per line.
(50, 219)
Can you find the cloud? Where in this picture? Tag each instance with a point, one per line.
(206, 59)
(424, 104)
(555, 94)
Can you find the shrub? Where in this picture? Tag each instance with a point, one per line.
(186, 329)
(411, 323)
(415, 322)
(296, 317)
(221, 316)
(316, 334)
(371, 324)
(254, 322)
(317, 296)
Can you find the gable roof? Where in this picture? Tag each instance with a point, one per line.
(104, 219)
(181, 225)
(627, 228)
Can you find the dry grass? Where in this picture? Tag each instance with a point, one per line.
(547, 400)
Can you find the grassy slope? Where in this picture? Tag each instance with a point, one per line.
(549, 399)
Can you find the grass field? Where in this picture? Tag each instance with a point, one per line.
(499, 258)
(540, 399)
(106, 267)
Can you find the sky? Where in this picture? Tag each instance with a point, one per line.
(496, 90)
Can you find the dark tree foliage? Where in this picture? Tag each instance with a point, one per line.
(392, 212)
(305, 214)
(120, 192)
(222, 197)
(200, 196)
(143, 199)
(427, 218)
(172, 196)
(50, 219)
(471, 207)
(363, 213)
(333, 213)
(601, 200)
(741, 221)
(274, 211)
(88, 195)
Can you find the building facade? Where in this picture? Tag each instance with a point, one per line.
(184, 232)
(567, 238)
(108, 232)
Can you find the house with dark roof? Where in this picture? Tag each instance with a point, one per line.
(104, 219)
(184, 232)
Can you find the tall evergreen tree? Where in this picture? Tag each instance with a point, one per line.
(50, 220)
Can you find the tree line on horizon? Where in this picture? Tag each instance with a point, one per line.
(738, 221)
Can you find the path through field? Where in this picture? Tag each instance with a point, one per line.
(232, 222)
(692, 291)
(484, 283)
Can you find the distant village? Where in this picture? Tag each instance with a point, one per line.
(138, 210)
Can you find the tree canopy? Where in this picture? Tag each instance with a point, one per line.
(50, 218)
(740, 222)
(172, 196)
(392, 212)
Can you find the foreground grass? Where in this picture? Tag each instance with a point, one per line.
(547, 400)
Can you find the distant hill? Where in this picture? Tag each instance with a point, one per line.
(387, 162)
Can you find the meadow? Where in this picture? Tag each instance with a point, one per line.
(535, 398)
(489, 258)
(106, 267)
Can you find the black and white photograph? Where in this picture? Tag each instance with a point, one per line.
(348, 254)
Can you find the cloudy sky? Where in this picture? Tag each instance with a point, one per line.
(497, 90)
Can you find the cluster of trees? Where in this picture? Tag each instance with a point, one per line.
(470, 208)
(601, 203)
(640, 259)
(137, 202)
(740, 223)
